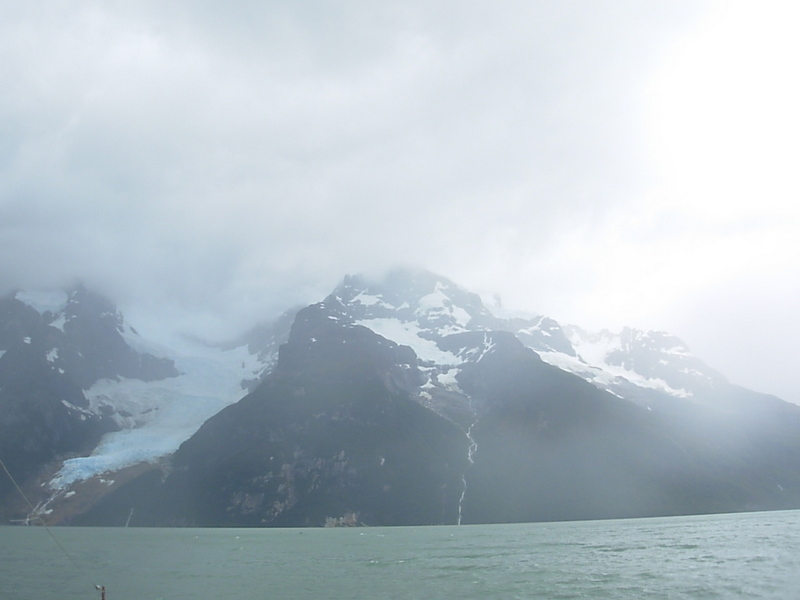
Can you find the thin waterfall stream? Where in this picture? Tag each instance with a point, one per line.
(471, 449)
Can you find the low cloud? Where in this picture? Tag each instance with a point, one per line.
(228, 162)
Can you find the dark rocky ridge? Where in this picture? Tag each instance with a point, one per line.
(341, 432)
(469, 425)
(47, 362)
(334, 433)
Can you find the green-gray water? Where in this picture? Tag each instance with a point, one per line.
(754, 555)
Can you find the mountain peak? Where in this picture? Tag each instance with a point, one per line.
(358, 375)
(432, 300)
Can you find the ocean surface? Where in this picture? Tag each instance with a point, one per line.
(751, 555)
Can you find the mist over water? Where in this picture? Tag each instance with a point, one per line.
(749, 555)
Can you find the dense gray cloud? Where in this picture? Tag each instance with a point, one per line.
(225, 162)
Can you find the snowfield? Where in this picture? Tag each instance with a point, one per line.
(407, 333)
(157, 417)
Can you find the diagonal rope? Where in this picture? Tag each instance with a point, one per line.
(50, 533)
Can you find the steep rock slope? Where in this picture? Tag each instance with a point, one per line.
(48, 359)
(334, 434)
(560, 449)
(86, 403)
(406, 401)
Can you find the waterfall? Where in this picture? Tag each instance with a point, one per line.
(471, 449)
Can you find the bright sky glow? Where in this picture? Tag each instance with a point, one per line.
(721, 222)
(724, 120)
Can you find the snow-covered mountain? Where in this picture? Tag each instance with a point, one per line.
(256, 418)
(421, 310)
(78, 384)
(647, 360)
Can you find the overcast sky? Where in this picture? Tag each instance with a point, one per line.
(606, 163)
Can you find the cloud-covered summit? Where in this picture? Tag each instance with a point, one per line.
(229, 162)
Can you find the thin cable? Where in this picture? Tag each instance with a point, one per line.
(50, 533)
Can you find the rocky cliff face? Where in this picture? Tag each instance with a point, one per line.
(405, 401)
(334, 434)
(396, 401)
(48, 358)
